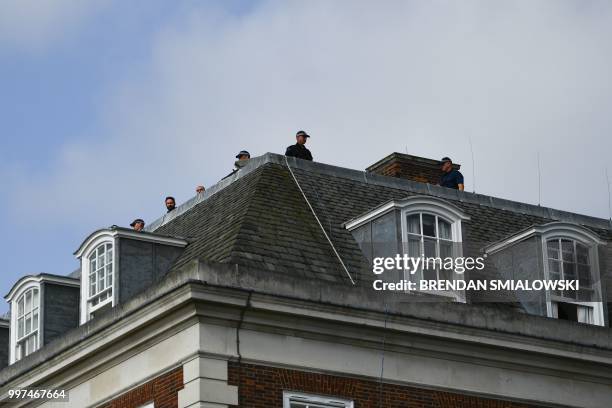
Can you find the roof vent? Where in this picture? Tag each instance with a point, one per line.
(409, 167)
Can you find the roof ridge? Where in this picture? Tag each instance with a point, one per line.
(385, 181)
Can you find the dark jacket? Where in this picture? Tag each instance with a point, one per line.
(299, 151)
(452, 179)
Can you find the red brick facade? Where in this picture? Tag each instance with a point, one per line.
(163, 391)
(262, 387)
(409, 167)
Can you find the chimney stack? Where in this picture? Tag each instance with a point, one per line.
(409, 167)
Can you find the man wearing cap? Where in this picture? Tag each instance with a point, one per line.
(138, 224)
(299, 149)
(451, 178)
(243, 158)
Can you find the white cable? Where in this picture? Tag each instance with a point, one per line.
(317, 218)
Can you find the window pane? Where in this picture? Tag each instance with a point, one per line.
(444, 229)
(430, 247)
(584, 275)
(567, 250)
(28, 324)
(20, 327)
(109, 253)
(35, 321)
(553, 249)
(20, 310)
(35, 299)
(446, 249)
(414, 247)
(429, 225)
(414, 223)
(28, 301)
(109, 276)
(569, 270)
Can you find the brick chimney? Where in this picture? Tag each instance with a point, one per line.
(409, 167)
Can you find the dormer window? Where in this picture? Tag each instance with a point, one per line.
(419, 226)
(28, 323)
(33, 321)
(566, 252)
(100, 276)
(117, 263)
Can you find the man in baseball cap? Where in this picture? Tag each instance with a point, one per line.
(451, 178)
(299, 149)
(138, 224)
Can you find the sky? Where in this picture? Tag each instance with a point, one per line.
(108, 106)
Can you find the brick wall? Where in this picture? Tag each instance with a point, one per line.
(409, 167)
(262, 387)
(162, 390)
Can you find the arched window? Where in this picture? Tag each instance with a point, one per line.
(567, 253)
(417, 226)
(28, 323)
(100, 276)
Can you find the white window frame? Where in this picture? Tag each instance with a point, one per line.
(428, 205)
(17, 291)
(591, 243)
(317, 400)
(35, 332)
(107, 288)
(103, 237)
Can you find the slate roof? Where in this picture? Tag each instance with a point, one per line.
(260, 219)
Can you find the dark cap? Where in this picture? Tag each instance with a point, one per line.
(243, 153)
(302, 133)
(445, 159)
(136, 221)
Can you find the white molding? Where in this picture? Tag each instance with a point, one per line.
(32, 284)
(314, 399)
(551, 230)
(434, 204)
(5, 323)
(107, 233)
(95, 242)
(26, 280)
(598, 310)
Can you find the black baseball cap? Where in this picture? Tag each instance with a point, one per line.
(445, 159)
(302, 133)
(136, 221)
(243, 153)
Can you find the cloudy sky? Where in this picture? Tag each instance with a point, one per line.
(108, 106)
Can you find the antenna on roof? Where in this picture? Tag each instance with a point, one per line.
(539, 182)
(609, 196)
(473, 166)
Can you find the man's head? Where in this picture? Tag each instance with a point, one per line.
(446, 164)
(170, 203)
(138, 224)
(301, 137)
(243, 155)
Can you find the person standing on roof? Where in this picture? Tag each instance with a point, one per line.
(451, 178)
(243, 158)
(299, 149)
(138, 224)
(170, 203)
